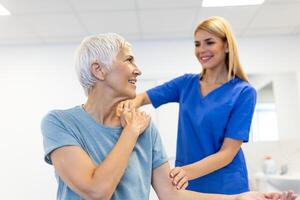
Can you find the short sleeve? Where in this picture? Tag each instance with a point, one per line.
(159, 155)
(166, 92)
(55, 135)
(240, 119)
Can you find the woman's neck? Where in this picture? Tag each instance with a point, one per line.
(102, 109)
(215, 76)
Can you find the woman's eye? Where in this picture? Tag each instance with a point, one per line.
(210, 43)
(129, 59)
(197, 45)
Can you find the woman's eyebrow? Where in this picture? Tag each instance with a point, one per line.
(208, 39)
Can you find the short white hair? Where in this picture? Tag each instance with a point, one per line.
(101, 48)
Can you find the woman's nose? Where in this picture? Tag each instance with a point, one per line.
(200, 49)
(137, 72)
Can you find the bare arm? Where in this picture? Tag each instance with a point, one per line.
(78, 171)
(165, 190)
(207, 165)
(215, 161)
(87, 179)
(141, 100)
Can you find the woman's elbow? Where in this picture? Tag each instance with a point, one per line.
(98, 193)
(228, 159)
(224, 159)
(97, 196)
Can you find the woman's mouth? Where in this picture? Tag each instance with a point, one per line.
(132, 81)
(205, 59)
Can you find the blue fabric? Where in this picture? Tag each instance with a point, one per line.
(204, 123)
(75, 127)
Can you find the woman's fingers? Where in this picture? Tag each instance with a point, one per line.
(294, 197)
(185, 186)
(174, 172)
(146, 119)
(128, 104)
(180, 179)
(182, 182)
(284, 196)
(124, 106)
(273, 195)
(120, 109)
(291, 195)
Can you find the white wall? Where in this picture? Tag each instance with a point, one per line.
(287, 105)
(36, 79)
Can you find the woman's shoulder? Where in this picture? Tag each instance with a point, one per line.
(60, 115)
(243, 85)
(243, 90)
(191, 76)
(186, 78)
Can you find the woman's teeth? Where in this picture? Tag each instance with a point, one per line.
(205, 58)
(132, 81)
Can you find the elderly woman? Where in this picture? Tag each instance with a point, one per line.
(99, 155)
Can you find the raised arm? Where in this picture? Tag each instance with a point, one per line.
(87, 179)
(140, 100)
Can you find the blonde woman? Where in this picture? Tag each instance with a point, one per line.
(215, 113)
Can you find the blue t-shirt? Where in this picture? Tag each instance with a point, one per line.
(75, 127)
(204, 122)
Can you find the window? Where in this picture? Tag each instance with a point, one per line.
(264, 124)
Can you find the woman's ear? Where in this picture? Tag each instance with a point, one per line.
(98, 71)
(226, 47)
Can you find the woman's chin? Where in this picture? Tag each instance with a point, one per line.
(206, 66)
(130, 96)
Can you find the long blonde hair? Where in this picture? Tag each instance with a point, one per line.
(221, 28)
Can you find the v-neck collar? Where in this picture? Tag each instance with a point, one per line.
(214, 90)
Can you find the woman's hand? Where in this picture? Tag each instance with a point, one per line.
(179, 178)
(251, 196)
(134, 121)
(286, 195)
(125, 105)
(267, 196)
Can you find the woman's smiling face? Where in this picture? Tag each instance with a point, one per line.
(123, 75)
(210, 50)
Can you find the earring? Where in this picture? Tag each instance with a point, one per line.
(226, 50)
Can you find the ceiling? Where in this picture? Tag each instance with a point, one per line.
(68, 21)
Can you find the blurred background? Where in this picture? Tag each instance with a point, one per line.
(37, 44)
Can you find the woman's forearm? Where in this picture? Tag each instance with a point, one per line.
(208, 165)
(113, 167)
(190, 195)
(141, 100)
(215, 161)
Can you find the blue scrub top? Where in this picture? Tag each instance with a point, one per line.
(203, 124)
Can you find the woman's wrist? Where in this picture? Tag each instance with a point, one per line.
(131, 132)
(187, 172)
(139, 101)
(190, 172)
